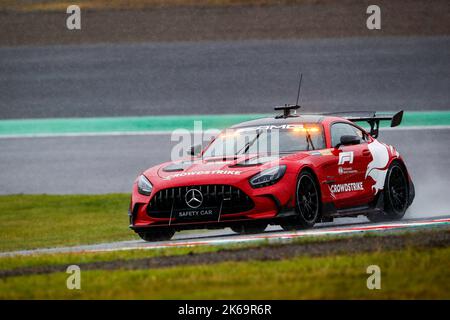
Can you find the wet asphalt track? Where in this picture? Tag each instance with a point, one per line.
(224, 77)
(202, 78)
(213, 77)
(110, 164)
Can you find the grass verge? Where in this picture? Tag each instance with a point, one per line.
(37, 221)
(407, 274)
(65, 259)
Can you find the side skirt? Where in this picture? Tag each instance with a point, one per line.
(376, 206)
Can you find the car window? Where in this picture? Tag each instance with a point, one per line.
(344, 129)
(298, 137)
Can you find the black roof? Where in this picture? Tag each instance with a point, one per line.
(305, 118)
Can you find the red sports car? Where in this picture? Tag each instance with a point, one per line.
(289, 170)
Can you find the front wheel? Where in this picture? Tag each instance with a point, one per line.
(157, 235)
(307, 203)
(395, 195)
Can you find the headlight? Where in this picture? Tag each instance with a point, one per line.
(144, 186)
(268, 177)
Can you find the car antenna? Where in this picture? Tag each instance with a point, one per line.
(299, 87)
(288, 107)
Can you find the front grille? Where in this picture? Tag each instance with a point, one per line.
(227, 199)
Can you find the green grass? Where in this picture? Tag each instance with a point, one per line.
(32, 221)
(65, 259)
(36, 221)
(408, 274)
(46, 221)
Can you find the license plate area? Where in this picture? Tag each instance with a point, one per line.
(200, 214)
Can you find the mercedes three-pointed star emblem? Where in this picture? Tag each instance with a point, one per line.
(193, 198)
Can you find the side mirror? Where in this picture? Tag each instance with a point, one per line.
(194, 150)
(349, 140)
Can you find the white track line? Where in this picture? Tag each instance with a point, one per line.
(85, 134)
(289, 235)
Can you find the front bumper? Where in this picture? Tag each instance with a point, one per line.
(269, 203)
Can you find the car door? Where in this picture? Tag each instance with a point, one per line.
(348, 187)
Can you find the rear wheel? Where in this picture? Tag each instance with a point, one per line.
(249, 228)
(395, 195)
(157, 235)
(307, 203)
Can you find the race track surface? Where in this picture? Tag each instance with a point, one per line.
(213, 77)
(272, 235)
(224, 77)
(72, 165)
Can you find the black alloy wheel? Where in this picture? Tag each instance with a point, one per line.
(307, 203)
(395, 195)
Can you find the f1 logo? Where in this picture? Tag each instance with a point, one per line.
(345, 157)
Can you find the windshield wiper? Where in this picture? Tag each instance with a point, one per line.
(309, 141)
(249, 144)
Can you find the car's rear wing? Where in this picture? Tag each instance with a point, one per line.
(372, 118)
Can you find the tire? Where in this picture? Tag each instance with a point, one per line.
(250, 228)
(395, 195)
(308, 206)
(157, 235)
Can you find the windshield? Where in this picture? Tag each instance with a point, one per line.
(267, 140)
